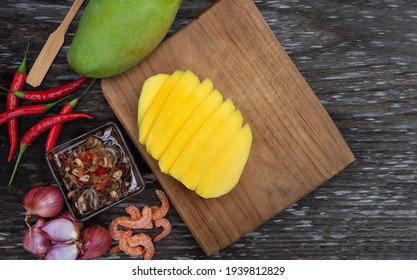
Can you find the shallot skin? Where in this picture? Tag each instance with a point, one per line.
(57, 235)
(34, 242)
(96, 241)
(43, 201)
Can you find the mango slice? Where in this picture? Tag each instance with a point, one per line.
(156, 105)
(197, 137)
(113, 36)
(149, 90)
(210, 149)
(175, 102)
(226, 169)
(190, 127)
(186, 158)
(163, 131)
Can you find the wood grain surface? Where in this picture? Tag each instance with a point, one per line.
(359, 57)
(296, 146)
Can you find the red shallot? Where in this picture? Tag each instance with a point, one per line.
(67, 214)
(43, 201)
(61, 230)
(60, 237)
(34, 242)
(64, 214)
(63, 251)
(96, 241)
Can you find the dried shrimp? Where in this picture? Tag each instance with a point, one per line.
(140, 244)
(114, 230)
(127, 248)
(140, 240)
(144, 220)
(163, 209)
(166, 228)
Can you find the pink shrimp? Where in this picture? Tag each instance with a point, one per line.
(135, 215)
(136, 251)
(114, 230)
(166, 228)
(143, 222)
(115, 249)
(134, 212)
(144, 240)
(163, 209)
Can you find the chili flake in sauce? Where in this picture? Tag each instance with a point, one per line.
(95, 174)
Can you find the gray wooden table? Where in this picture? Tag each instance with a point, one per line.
(360, 57)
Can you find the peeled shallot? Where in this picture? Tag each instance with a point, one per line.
(33, 241)
(60, 230)
(56, 235)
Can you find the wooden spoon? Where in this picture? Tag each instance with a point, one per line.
(51, 47)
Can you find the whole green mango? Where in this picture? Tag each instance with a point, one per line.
(115, 35)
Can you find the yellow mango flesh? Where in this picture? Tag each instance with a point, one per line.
(149, 90)
(224, 172)
(195, 135)
(196, 143)
(190, 127)
(210, 148)
(178, 114)
(156, 105)
(176, 102)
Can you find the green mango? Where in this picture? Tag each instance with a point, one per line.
(113, 36)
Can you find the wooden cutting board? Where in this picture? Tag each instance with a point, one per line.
(296, 146)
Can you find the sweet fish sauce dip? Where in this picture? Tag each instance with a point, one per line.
(96, 171)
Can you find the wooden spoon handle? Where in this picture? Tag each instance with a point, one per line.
(51, 47)
(70, 15)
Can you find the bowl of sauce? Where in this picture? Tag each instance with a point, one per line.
(95, 171)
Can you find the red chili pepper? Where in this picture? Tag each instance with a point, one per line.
(103, 183)
(12, 101)
(101, 170)
(38, 129)
(51, 94)
(87, 157)
(35, 109)
(56, 129)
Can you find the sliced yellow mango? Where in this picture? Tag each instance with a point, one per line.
(149, 90)
(172, 118)
(210, 148)
(194, 134)
(175, 102)
(188, 130)
(156, 105)
(188, 154)
(226, 169)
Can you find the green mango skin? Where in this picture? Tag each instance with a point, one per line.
(114, 36)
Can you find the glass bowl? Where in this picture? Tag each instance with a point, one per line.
(95, 171)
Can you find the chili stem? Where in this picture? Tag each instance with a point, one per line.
(22, 67)
(51, 94)
(8, 90)
(35, 109)
(38, 129)
(55, 131)
(22, 149)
